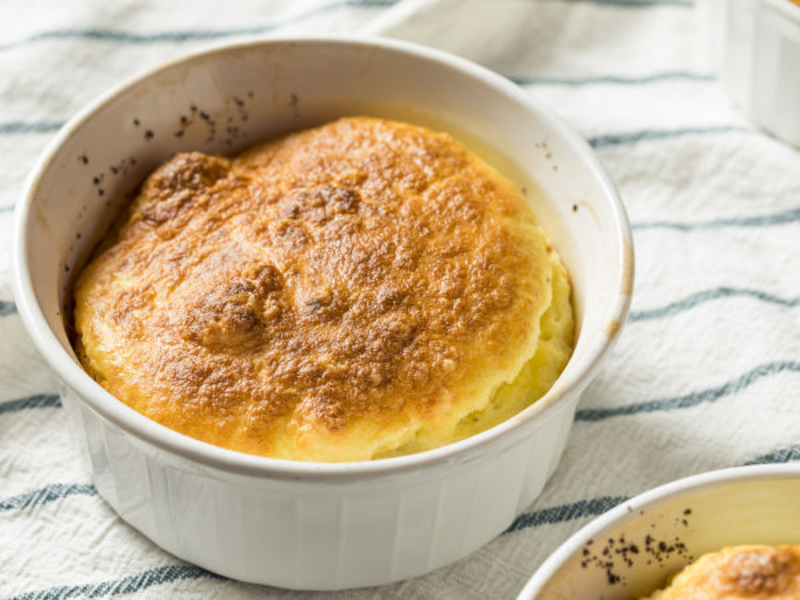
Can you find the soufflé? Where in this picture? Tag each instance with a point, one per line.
(738, 573)
(359, 290)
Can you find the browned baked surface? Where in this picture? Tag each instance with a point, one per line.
(331, 295)
(739, 572)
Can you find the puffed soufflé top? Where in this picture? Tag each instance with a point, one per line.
(363, 289)
(739, 573)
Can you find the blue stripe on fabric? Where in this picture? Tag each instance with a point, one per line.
(613, 79)
(781, 455)
(565, 512)
(47, 494)
(37, 401)
(7, 308)
(7, 208)
(709, 395)
(617, 139)
(123, 37)
(17, 127)
(126, 585)
(706, 296)
(598, 506)
(782, 218)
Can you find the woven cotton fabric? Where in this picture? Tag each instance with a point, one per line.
(705, 374)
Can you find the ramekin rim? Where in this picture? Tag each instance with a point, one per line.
(654, 496)
(208, 455)
(787, 9)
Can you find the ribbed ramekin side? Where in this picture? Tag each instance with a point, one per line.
(319, 534)
(757, 58)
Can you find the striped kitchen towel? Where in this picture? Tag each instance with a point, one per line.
(704, 376)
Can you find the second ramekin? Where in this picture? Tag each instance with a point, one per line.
(314, 525)
(631, 550)
(756, 45)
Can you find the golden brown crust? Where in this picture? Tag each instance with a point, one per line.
(361, 270)
(752, 572)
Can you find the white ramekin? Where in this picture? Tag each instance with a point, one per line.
(313, 525)
(756, 46)
(690, 517)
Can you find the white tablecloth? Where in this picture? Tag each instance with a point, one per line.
(705, 375)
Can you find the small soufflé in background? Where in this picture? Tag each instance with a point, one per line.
(360, 290)
(738, 573)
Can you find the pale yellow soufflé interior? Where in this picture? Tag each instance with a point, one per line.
(754, 572)
(359, 290)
